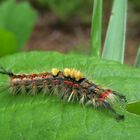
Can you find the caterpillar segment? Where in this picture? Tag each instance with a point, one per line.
(69, 85)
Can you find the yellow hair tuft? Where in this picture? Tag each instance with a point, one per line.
(66, 72)
(55, 71)
(72, 73)
(78, 75)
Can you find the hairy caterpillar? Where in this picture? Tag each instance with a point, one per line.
(69, 85)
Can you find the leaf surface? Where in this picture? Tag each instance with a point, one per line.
(38, 117)
(115, 39)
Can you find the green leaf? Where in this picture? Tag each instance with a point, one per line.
(134, 107)
(115, 40)
(96, 28)
(39, 117)
(137, 61)
(18, 19)
(8, 42)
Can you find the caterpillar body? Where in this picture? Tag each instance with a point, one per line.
(69, 85)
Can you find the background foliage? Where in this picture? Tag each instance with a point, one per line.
(17, 27)
(64, 9)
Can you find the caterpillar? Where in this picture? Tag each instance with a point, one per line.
(69, 85)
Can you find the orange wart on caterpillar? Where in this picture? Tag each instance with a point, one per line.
(69, 85)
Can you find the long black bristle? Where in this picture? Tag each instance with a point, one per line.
(4, 71)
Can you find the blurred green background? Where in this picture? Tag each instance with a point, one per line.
(58, 25)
